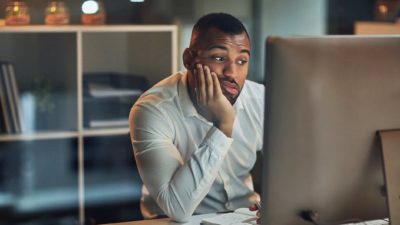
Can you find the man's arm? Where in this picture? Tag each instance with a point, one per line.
(177, 186)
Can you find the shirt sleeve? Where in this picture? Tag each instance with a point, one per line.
(260, 101)
(178, 187)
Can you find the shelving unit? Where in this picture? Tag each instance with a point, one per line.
(51, 63)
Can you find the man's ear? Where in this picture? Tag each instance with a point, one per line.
(189, 56)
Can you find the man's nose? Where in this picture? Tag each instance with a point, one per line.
(230, 69)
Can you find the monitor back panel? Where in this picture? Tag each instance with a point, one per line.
(326, 98)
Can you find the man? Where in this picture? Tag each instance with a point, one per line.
(195, 134)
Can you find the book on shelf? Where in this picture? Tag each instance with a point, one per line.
(240, 216)
(9, 97)
(5, 113)
(15, 94)
(2, 127)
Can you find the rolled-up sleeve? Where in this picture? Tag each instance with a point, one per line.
(177, 186)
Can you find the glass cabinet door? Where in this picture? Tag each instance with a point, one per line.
(39, 182)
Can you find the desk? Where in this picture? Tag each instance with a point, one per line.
(194, 220)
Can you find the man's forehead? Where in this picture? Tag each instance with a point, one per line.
(215, 37)
(240, 49)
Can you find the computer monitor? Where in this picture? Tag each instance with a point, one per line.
(326, 98)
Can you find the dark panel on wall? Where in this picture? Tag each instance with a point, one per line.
(342, 14)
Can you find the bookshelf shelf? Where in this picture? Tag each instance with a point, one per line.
(58, 145)
(83, 28)
(105, 132)
(38, 136)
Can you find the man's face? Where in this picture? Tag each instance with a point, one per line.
(226, 55)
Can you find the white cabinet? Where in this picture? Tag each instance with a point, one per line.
(61, 163)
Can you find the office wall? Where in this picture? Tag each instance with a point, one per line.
(288, 17)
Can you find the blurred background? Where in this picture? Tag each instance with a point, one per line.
(40, 178)
(261, 17)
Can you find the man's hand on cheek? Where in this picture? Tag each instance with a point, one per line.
(212, 104)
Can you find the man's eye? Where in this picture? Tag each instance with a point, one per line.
(242, 62)
(219, 59)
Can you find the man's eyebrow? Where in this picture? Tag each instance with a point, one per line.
(218, 46)
(226, 49)
(245, 51)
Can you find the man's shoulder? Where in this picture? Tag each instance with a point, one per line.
(252, 99)
(253, 90)
(164, 91)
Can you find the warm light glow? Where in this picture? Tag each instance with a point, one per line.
(16, 8)
(383, 9)
(90, 7)
(53, 9)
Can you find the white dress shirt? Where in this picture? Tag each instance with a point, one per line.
(186, 164)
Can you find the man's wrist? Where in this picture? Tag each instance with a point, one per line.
(226, 128)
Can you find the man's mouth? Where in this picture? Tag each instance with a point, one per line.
(230, 87)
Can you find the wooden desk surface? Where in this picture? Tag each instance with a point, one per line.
(194, 220)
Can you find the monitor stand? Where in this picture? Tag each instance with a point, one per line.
(390, 143)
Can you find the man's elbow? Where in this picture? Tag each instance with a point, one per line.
(180, 217)
(179, 211)
(178, 214)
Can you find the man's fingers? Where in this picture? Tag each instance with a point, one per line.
(202, 84)
(253, 207)
(210, 83)
(195, 83)
(216, 86)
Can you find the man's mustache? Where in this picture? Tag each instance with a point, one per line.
(223, 78)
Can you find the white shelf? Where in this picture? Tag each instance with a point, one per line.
(39, 136)
(105, 132)
(64, 134)
(82, 28)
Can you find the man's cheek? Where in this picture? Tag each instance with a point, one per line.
(218, 69)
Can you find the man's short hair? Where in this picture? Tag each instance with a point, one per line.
(222, 21)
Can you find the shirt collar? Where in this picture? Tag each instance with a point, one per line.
(187, 106)
(239, 101)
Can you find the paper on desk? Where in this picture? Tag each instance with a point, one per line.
(240, 216)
